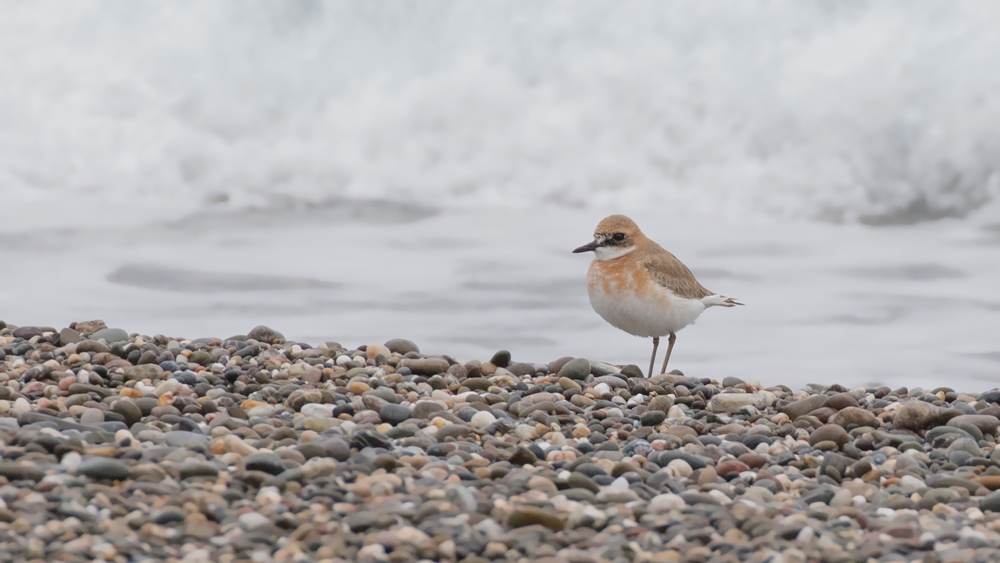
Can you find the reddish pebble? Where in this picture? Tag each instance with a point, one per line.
(731, 467)
(753, 460)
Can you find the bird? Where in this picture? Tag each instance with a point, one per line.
(642, 289)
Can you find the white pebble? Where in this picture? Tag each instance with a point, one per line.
(71, 461)
(21, 405)
(666, 502)
(92, 416)
(909, 483)
(482, 419)
(619, 484)
(602, 388)
(315, 410)
(680, 467)
(263, 411)
(253, 520)
(524, 431)
(268, 495)
(170, 385)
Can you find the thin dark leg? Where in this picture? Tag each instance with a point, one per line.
(670, 346)
(652, 360)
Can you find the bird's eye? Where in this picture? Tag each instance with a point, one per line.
(619, 236)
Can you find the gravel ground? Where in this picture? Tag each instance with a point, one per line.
(127, 447)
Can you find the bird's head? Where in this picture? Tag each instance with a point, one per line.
(614, 237)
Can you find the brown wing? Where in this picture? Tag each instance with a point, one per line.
(672, 274)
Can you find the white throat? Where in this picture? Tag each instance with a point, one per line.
(603, 253)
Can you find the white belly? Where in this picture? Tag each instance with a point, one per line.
(646, 316)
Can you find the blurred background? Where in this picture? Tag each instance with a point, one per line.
(359, 171)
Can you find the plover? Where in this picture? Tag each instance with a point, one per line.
(639, 287)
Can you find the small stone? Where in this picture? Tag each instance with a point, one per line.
(632, 370)
(198, 469)
(753, 460)
(727, 468)
(665, 503)
(680, 467)
(521, 368)
(734, 402)
(27, 332)
(69, 336)
(915, 415)
(477, 383)
(804, 406)
(856, 416)
(182, 439)
(265, 334)
(523, 456)
(104, 468)
(394, 414)
(652, 418)
(567, 383)
(985, 423)
(88, 327)
(425, 410)
(840, 401)
(92, 416)
(539, 483)
(661, 403)
(16, 471)
(334, 447)
(265, 461)
(990, 502)
(110, 335)
(482, 419)
(372, 351)
(254, 521)
(427, 366)
(707, 476)
(576, 369)
(529, 515)
(501, 359)
(402, 346)
(732, 381)
(829, 432)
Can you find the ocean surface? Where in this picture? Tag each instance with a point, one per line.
(359, 171)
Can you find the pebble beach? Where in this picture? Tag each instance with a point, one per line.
(123, 447)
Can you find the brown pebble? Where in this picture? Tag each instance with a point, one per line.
(707, 476)
(829, 432)
(991, 482)
(753, 460)
(730, 467)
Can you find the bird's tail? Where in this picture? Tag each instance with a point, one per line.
(720, 301)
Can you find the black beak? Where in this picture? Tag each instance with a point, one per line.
(590, 247)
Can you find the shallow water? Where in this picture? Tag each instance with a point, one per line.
(851, 304)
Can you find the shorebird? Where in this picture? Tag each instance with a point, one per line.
(640, 288)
